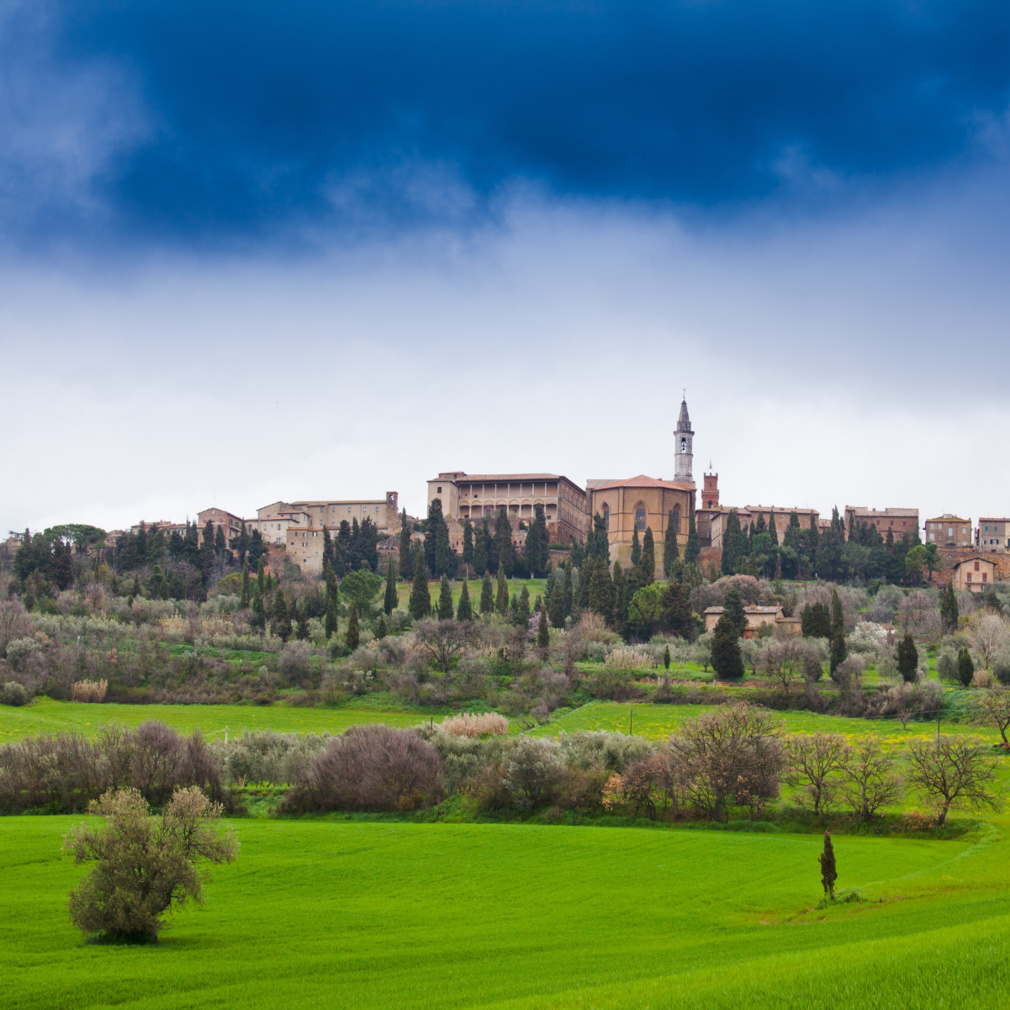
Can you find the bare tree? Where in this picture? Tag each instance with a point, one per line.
(14, 623)
(954, 772)
(443, 641)
(993, 709)
(816, 767)
(989, 635)
(871, 779)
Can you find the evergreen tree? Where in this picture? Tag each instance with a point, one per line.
(261, 584)
(368, 545)
(503, 549)
(733, 544)
(256, 549)
(908, 659)
(815, 621)
(965, 667)
(536, 544)
(636, 549)
(380, 628)
(692, 549)
(647, 562)
(838, 651)
(481, 563)
(555, 602)
(727, 661)
(352, 636)
(330, 622)
(302, 623)
(600, 597)
(342, 549)
(420, 598)
(676, 617)
(390, 600)
(733, 609)
(327, 548)
(486, 595)
(244, 601)
(828, 872)
(569, 597)
(793, 545)
(543, 632)
(444, 600)
(523, 608)
(622, 594)
(465, 611)
(220, 546)
(949, 612)
(671, 549)
(281, 621)
(468, 548)
(404, 555)
(259, 617)
(837, 614)
(502, 597)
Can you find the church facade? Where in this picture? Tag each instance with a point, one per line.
(641, 503)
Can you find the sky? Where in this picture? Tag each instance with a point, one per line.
(256, 251)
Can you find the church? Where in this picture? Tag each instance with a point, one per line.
(641, 502)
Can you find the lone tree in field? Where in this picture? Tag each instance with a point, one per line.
(144, 864)
(954, 772)
(828, 872)
(965, 668)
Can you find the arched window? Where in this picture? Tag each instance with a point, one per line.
(606, 516)
(640, 516)
(683, 447)
(676, 518)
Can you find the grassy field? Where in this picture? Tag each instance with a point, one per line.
(342, 914)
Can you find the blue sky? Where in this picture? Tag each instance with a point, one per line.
(252, 250)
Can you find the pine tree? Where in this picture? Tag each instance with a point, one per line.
(353, 635)
(444, 600)
(908, 659)
(420, 598)
(404, 555)
(543, 633)
(390, 600)
(828, 872)
(692, 549)
(330, 622)
(281, 621)
(486, 595)
(468, 546)
(523, 608)
(244, 601)
(465, 611)
(727, 661)
(501, 602)
(636, 549)
(647, 562)
(671, 549)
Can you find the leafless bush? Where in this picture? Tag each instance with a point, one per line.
(370, 768)
(14, 623)
(989, 634)
(484, 724)
(954, 772)
(871, 779)
(752, 591)
(816, 769)
(592, 628)
(790, 661)
(295, 662)
(90, 691)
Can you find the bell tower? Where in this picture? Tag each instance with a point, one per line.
(684, 448)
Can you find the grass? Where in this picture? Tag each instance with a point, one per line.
(336, 913)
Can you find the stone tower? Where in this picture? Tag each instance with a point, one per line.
(685, 453)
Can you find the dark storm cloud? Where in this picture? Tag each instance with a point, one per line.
(260, 116)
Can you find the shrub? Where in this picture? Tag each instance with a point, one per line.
(90, 690)
(613, 685)
(295, 662)
(631, 657)
(533, 772)
(13, 694)
(612, 752)
(144, 865)
(946, 665)
(485, 724)
(370, 768)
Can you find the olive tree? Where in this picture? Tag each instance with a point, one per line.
(144, 864)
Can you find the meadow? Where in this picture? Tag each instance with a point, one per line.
(342, 913)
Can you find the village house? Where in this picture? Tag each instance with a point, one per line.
(948, 531)
(230, 524)
(897, 521)
(757, 618)
(993, 535)
(974, 574)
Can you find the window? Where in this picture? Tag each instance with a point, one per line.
(640, 516)
(985, 577)
(438, 490)
(606, 516)
(976, 566)
(683, 445)
(969, 577)
(676, 518)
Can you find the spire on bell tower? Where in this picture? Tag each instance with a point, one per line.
(684, 447)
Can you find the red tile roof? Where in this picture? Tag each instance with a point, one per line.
(642, 481)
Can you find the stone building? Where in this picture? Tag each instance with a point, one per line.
(219, 519)
(897, 521)
(273, 528)
(758, 618)
(384, 512)
(948, 531)
(974, 574)
(479, 496)
(780, 515)
(642, 502)
(993, 535)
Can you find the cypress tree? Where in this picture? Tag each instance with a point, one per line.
(502, 598)
(261, 577)
(733, 543)
(647, 563)
(676, 617)
(390, 600)
(486, 595)
(666, 658)
(908, 659)
(543, 633)
(949, 612)
(636, 549)
(726, 659)
(259, 617)
(481, 562)
(380, 628)
(536, 543)
(468, 548)
(327, 547)
(504, 551)
(404, 554)
(569, 592)
(622, 595)
(965, 667)
(692, 549)
(523, 607)
(733, 609)
(352, 636)
(420, 598)
(244, 602)
(555, 603)
(465, 611)
(671, 549)
(281, 621)
(828, 872)
(600, 597)
(302, 623)
(330, 622)
(838, 648)
(444, 600)
(838, 651)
